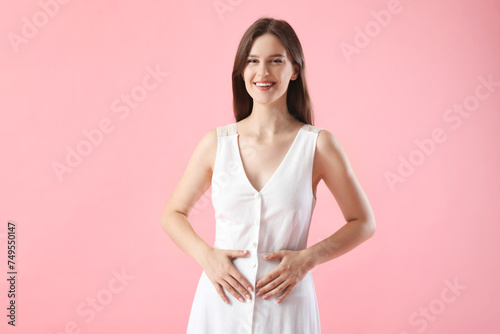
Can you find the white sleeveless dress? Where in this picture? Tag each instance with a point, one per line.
(275, 218)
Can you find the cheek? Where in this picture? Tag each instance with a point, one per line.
(284, 80)
(282, 76)
(247, 74)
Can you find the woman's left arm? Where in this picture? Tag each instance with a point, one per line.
(335, 170)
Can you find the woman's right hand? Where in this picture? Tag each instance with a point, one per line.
(218, 266)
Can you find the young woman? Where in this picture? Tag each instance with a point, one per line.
(264, 170)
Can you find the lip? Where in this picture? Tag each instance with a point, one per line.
(264, 88)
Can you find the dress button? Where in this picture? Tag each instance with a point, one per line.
(257, 195)
(256, 221)
(253, 264)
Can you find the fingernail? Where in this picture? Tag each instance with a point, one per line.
(226, 301)
(266, 256)
(249, 288)
(277, 301)
(241, 299)
(248, 297)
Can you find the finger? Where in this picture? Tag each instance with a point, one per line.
(268, 287)
(232, 291)
(221, 293)
(282, 286)
(236, 253)
(268, 278)
(238, 287)
(274, 255)
(241, 279)
(285, 293)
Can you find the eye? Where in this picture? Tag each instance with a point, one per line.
(251, 60)
(278, 60)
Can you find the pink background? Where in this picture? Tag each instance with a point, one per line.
(438, 225)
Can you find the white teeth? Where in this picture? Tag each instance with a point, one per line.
(264, 84)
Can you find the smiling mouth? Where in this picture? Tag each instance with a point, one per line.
(264, 84)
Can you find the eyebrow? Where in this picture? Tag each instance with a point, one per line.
(274, 55)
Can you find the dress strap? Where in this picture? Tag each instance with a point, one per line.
(312, 128)
(232, 129)
(227, 130)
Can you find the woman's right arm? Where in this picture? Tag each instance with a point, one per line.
(193, 184)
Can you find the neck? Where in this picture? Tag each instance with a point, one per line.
(270, 118)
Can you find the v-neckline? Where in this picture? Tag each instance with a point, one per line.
(275, 171)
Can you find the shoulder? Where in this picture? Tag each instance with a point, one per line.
(311, 128)
(209, 138)
(206, 149)
(329, 151)
(227, 130)
(207, 146)
(327, 141)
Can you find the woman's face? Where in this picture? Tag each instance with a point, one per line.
(268, 64)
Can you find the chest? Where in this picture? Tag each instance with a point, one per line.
(261, 159)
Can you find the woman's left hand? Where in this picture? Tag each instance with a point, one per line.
(292, 269)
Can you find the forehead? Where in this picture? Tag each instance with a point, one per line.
(267, 44)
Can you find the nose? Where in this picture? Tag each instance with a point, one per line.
(263, 70)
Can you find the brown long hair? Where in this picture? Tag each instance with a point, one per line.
(297, 100)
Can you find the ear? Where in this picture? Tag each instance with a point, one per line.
(295, 72)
